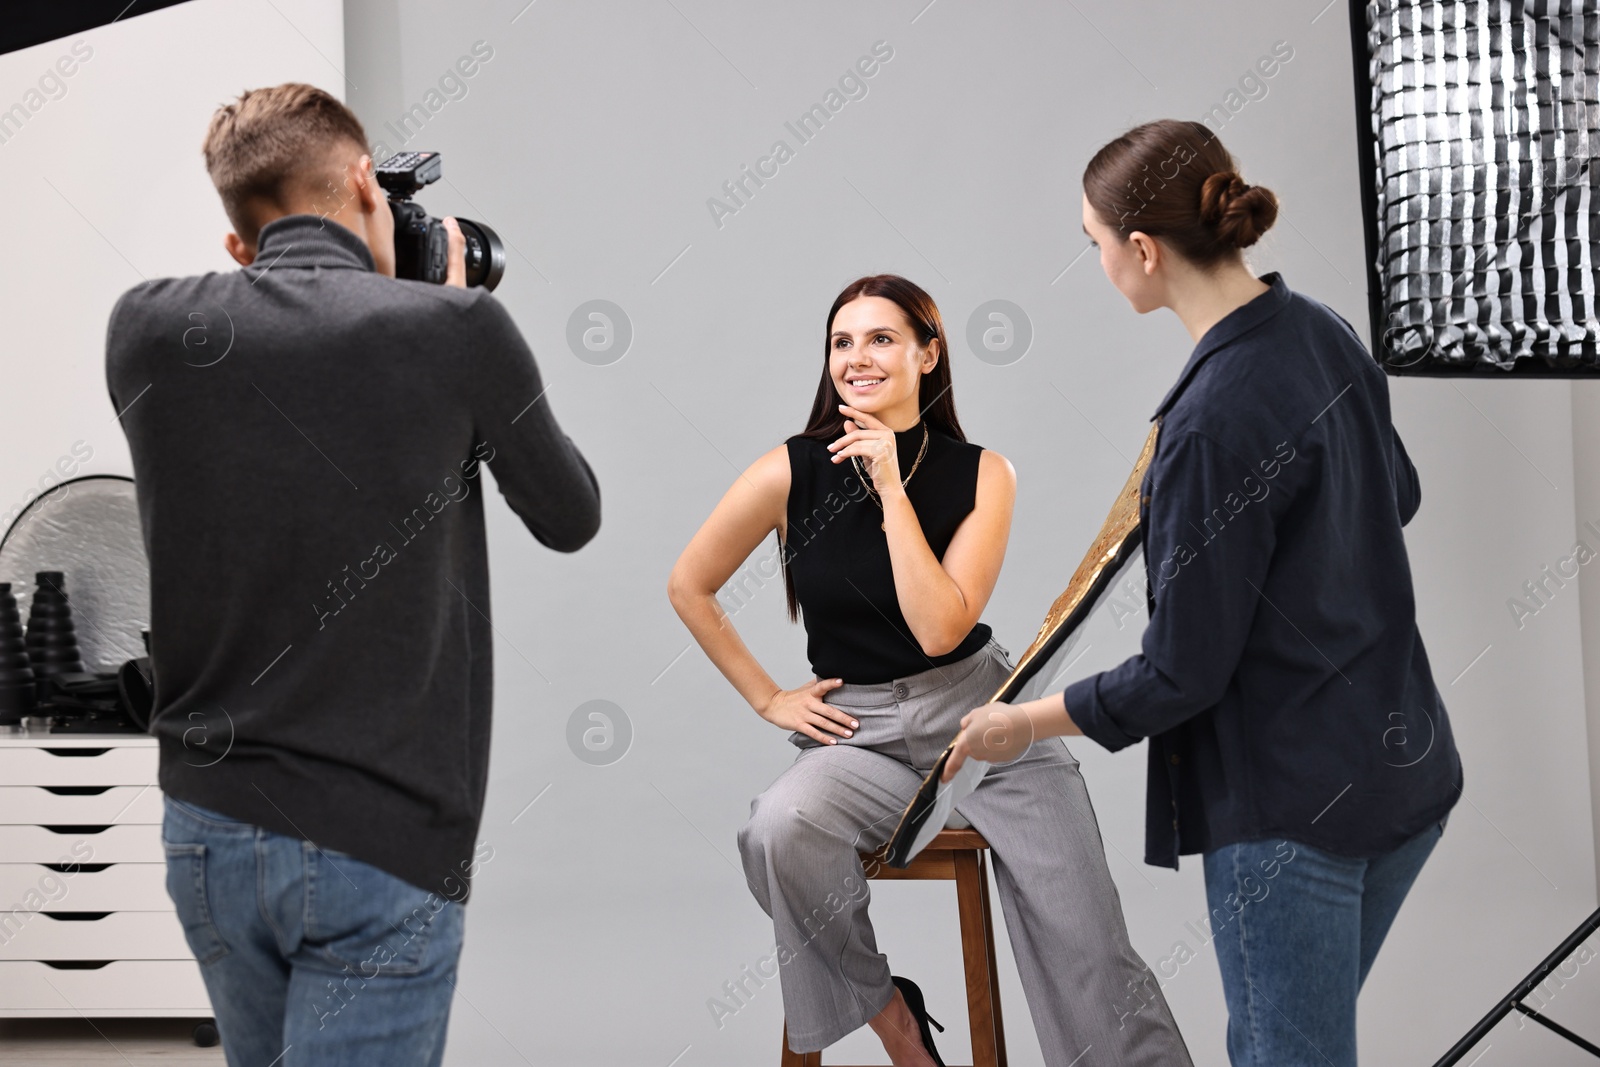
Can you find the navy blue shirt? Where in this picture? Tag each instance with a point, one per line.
(1282, 681)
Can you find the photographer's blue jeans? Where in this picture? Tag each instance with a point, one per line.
(1296, 930)
(311, 957)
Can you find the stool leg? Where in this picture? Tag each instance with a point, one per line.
(976, 952)
(792, 1058)
(994, 970)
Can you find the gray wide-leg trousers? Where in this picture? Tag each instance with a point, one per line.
(1061, 907)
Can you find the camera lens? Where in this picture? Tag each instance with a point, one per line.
(486, 255)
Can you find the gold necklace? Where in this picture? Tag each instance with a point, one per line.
(867, 481)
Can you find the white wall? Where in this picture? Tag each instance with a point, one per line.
(1515, 871)
(611, 911)
(105, 186)
(1586, 476)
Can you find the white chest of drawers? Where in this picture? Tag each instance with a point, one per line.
(86, 926)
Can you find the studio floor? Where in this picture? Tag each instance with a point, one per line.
(85, 1042)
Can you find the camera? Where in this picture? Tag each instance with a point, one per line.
(421, 243)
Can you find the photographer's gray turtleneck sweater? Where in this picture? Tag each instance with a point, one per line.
(306, 438)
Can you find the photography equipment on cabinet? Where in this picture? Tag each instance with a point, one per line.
(79, 780)
(421, 243)
(73, 563)
(19, 691)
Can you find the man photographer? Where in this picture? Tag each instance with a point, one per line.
(306, 434)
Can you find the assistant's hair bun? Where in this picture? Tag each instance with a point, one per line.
(1239, 213)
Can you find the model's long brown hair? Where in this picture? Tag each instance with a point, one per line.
(935, 396)
(1174, 180)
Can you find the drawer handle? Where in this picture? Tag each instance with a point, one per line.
(76, 751)
(76, 916)
(72, 829)
(76, 965)
(76, 790)
(75, 868)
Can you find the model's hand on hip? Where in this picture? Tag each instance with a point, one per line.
(866, 436)
(803, 710)
(994, 733)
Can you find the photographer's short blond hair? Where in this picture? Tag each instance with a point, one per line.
(272, 145)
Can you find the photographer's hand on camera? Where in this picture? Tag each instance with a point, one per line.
(456, 271)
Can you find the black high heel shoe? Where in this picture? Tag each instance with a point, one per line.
(919, 1011)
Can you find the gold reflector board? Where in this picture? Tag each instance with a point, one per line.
(1119, 541)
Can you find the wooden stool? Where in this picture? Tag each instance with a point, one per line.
(954, 855)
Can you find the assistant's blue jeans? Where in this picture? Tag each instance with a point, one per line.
(1296, 930)
(311, 957)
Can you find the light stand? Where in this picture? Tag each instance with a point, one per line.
(1513, 1000)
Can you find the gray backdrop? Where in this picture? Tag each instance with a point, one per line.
(613, 909)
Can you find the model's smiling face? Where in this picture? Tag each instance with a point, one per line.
(873, 355)
(1126, 261)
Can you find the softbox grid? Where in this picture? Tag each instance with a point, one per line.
(1485, 118)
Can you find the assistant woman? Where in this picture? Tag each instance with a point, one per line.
(892, 528)
(1297, 738)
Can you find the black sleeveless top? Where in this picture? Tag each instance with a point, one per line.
(838, 554)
